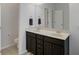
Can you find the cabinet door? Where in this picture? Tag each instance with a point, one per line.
(39, 46)
(57, 49)
(33, 45)
(53, 49)
(47, 48)
(30, 43)
(39, 51)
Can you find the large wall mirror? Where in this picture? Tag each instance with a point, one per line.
(56, 15)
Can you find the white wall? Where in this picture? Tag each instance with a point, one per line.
(9, 16)
(65, 8)
(0, 28)
(74, 28)
(22, 24)
(0, 15)
(26, 11)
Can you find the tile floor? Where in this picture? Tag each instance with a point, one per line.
(13, 50)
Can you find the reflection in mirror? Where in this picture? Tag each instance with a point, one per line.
(55, 16)
(46, 16)
(58, 19)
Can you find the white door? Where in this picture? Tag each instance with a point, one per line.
(0, 29)
(58, 19)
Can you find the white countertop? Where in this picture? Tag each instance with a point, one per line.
(49, 32)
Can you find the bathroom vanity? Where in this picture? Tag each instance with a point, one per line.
(47, 42)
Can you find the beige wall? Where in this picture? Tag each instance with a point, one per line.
(9, 16)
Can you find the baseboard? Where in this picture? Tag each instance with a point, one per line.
(23, 52)
(7, 46)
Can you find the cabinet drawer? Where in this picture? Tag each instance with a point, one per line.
(54, 40)
(30, 34)
(39, 36)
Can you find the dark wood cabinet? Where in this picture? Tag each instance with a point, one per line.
(31, 43)
(44, 45)
(58, 50)
(53, 49)
(39, 46)
(47, 48)
(53, 46)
